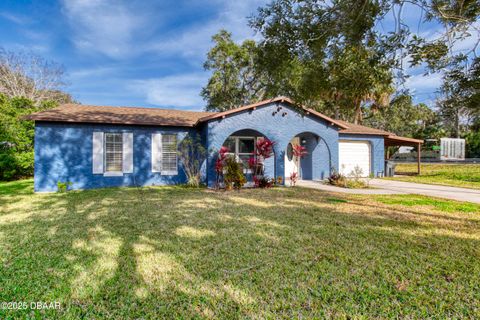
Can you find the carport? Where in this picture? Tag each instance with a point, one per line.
(396, 141)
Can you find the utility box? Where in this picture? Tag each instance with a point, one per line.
(390, 168)
(452, 149)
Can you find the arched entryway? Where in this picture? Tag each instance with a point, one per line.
(242, 145)
(315, 165)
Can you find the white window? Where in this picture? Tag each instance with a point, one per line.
(113, 152)
(243, 148)
(169, 154)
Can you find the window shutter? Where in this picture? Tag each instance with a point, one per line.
(156, 152)
(127, 152)
(97, 153)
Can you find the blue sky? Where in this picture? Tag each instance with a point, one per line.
(143, 53)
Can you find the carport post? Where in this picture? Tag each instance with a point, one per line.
(419, 155)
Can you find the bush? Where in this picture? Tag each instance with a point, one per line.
(15, 165)
(263, 182)
(63, 186)
(339, 180)
(233, 176)
(16, 137)
(192, 153)
(472, 144)
(336, 178)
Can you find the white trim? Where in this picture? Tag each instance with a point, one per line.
(169, 173)
(156, 152)
(236, 152)
(113, 174)
(97, 153)
(127, 145)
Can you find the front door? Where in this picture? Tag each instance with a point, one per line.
(291, 163)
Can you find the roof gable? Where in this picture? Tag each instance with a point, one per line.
(253, 106)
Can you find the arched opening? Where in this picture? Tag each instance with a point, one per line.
(315, 165)
(242, 145)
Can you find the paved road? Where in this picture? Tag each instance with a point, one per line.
(399, 187)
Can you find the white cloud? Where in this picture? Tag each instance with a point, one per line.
(122, 29)
(420, 82)
(92, 72)
(468, 43)
(177, 91)
(108, 27)
(196, 40)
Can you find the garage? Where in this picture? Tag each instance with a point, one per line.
(352, 154)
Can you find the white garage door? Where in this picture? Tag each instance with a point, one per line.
(352, 154)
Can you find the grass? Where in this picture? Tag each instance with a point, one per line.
(457, 175)
(282, 253)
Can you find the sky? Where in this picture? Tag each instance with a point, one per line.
(145, 52)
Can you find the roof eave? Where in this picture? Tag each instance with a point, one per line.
(367, 133)
(108, 122)
(404, 139)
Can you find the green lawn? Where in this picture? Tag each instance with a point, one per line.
(457, 175)
(172, 252)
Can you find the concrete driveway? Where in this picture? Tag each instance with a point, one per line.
(381, 186)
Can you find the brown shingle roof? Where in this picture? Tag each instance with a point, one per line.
(171, 117)
(390, 138)
(119, 115)
(359, 129)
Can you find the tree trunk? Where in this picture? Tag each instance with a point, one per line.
(358, 112)
(457, 123)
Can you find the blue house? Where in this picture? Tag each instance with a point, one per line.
(95, 146)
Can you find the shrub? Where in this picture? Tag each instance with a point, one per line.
(355, 184)
(337, 179)
(340, 180)
(472, 144)
(192, 153)
(16, 138)
(293, 178)
(63, 186)
(298, 153)
(264, 150)
(14, 165)
(220, 164)
(233, 175)
(263, 182)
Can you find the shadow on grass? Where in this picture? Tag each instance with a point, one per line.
(174, 252)
(13, 191)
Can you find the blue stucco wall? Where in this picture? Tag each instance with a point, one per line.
(279, 123)
(314, 165)
(377, 148)
(63, 152)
